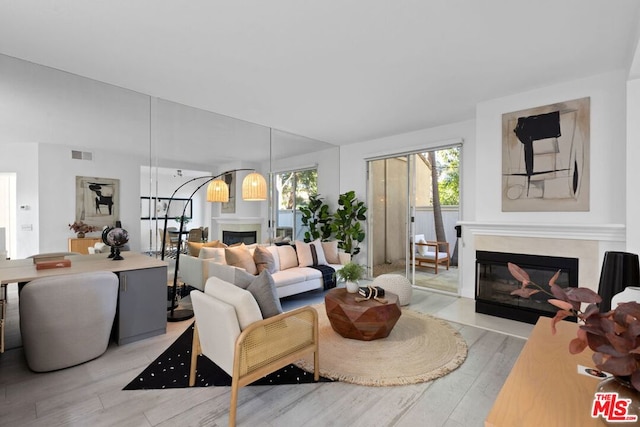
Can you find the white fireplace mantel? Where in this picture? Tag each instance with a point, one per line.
(599, 232)
(587, 242)
(238, 220)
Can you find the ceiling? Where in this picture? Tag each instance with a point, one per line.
(336, 71)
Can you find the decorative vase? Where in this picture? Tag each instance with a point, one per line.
(352, 287)
(630, 293)
(625, 391)
(80, 235)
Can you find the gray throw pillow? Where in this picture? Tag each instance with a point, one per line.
(264, 260)
(263, 290)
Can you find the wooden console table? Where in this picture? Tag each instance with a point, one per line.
(82, 245)
(544, 387)
(142, 295)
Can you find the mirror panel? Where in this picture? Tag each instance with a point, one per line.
(200, 143)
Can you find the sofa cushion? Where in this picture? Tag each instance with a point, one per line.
(330, 250)
(194, 247)
(263, 289)
(295, 275)
(264, 260)
(310, 253)
(239, 256)
(246, 306)
(288, 257)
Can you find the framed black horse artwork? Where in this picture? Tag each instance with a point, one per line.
(97, 200)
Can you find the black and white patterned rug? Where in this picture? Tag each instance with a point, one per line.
(171, 370)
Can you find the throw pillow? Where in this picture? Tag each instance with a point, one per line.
(422, 250)
(288, 258)
(318, 253)
(264, 260)
(310, 253)
(263, 289)
(239, 256)
(330, 250)
(245, 304)
(305, 258)
(194, 247)
(213, 254)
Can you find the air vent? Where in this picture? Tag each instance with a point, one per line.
(81, 155)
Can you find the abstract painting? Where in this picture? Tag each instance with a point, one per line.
(545, 158)
(97, 200)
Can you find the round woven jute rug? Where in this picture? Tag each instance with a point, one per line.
(420, 348)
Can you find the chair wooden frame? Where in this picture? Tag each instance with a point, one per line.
(266, 346)
(171, 240)
(195, 235)
(436, 259)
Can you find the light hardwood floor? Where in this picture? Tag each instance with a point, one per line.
(91, 394)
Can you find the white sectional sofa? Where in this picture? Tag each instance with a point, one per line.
(290, 268)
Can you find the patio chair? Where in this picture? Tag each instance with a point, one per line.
(431, 254)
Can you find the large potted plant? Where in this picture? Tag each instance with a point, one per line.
(351, 273)
(317, 219)
(346, 225)
(614, 336)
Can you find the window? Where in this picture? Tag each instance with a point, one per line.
(292, 191)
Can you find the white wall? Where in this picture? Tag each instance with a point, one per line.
(633, 157)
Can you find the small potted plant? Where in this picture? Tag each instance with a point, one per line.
(613, 336)
(350, 273)
(183, 219)
(81, 228)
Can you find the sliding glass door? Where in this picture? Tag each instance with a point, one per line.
(414, 198)
(389, 207)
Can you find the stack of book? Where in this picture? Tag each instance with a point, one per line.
(367, 292)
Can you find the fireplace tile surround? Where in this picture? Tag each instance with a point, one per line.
(238, 224)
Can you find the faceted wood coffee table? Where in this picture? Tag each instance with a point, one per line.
(367, 320)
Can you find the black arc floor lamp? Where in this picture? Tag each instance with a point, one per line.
(254, 188)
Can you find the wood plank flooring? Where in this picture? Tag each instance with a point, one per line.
(91, 394)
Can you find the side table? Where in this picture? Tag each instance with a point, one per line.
(366, 320)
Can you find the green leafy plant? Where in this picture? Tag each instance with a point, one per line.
(613, 336)
(316, 217)
(184, 219)
(346, 225)
(350, 272)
